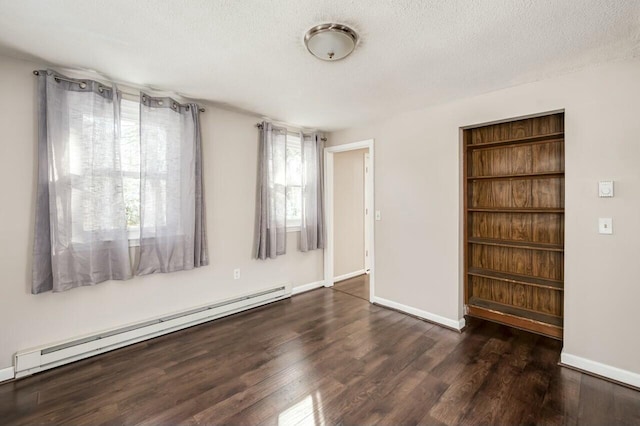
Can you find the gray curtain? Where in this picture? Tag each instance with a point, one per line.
(271, 215)
(312, 224)
(80, 228)
(172, 220)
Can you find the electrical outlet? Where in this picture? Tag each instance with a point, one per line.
(605, 225)
(378, 216)
(236, 274)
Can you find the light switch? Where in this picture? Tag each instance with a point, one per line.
(377, 214)
(605, 189)
(605, 225)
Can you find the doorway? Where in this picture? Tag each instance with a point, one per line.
(349, 264)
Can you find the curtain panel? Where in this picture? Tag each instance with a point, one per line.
(271, 212)
(172, 220)
(312, 234)
(271, 204)
(80, 228)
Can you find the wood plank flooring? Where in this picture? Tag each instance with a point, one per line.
(323, 357)
(356, 286)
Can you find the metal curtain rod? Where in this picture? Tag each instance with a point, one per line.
(259, 126)
(83, 84)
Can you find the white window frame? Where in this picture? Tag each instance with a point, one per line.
(133, 232)
(296, 224)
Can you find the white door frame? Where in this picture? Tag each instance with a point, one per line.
(369, 204)
(367, 212)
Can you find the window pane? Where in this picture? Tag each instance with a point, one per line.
(130, 150)
(130, 136)
(155, 203)
(294, 203)
(131, 189)
(294, 166)
(294, 180)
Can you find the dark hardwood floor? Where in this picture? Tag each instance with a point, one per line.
(356, 286)
(323, 357)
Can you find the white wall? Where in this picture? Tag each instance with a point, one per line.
(348, 211)
(418, 189)
(230, 165)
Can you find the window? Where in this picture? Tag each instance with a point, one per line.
(294, 182)
(157, 183)
(87, 157)
(130, 149)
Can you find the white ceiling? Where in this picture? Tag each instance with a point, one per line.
(249, 54)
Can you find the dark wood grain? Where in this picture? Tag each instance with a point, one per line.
(542, 228)
(356, 286)
(546, 157)
(521, 296)
(518, 193)
(515, 279)
(323, 357)
(535, 322)
(517, 260)
(487, 209)
(516, 244)
(545, 126)
(514, 223)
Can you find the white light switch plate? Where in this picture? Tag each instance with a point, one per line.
(377, 214)
(605, 189)
(605, 225)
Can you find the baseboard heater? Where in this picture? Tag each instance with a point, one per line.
(33, 360)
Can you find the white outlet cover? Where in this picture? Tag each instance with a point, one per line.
(605, 189)
(605, 225)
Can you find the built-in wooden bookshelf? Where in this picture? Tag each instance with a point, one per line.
(514, 223)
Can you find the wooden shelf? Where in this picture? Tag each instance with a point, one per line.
(519, 141)
(514, 196)
(517, 279)
(516, 209)
(516, 244)
(518, 319)
(519, 176)
(514, 310)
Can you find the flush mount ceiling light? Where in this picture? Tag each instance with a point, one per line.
(330, 42)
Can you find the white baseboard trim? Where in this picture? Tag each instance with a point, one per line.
(449, 323)
(349, 275)
(7, 373)
(604, 370)
(307, 287)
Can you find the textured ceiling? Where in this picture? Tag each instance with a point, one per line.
(249, 54)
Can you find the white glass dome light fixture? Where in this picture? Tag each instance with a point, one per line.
(330, 42)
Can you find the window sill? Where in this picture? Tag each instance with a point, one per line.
(134, 236)
(293, 229)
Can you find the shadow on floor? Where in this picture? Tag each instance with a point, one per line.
(356, 286)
